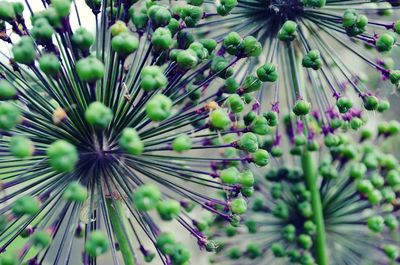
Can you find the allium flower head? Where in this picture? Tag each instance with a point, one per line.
(314, 52)
(101, 132)
(339, 205)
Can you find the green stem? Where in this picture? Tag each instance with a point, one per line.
(115, 211)
(311, 181)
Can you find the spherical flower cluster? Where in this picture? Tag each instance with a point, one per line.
(101, 132)
(343, 210)
(313, 53)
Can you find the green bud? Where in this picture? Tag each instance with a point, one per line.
(168, 209)
(146, 197)
(160, 15)
(41, 239)
(7, 90)
(97, 244)
(371, 102)
(238, 206)
(260, 157)
(354, 23)
(124, 44)
(231, 85)
(159, 107)
(235, 103)
(42, 31)
(305, 241)
(7, 12)
(187, 59)
(394, 77)
(267, 73)
(288, 31)
(375, 223)
(118, 28)
(62, 156)
(182, 143)
(50, 64)
(191, 15)
(75, 192)
(10, 116)
(344, 104)
(230, 175)
(314, 3)
(248, 142)
(278, 250)
(162, 39)
(90, 69)
(386, 41)
(312, 60)
(301, 108)
(82, 39)
(130, 142)
(224, 7)
(152, 78)
(251, 47)
(21, 147)
(251, 84)
(97, 114)
(138, 17)
(26, 205)
(219, 119)
(391, 251)
(62, 7)
(232, 42)
(166, 243)
(24, 50)
(383, 106)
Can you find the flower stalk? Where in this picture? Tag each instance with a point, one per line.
(311, 179)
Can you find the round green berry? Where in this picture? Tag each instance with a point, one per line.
(7, 90)
(10, 116)
(90, 69)
(62, 7)
(238, 206)
(260, 157)
(62, 156)
(130, 142)
(24, 51)
(267, 73)
(82, 39)
(288, 31)
(26, 205)
(162, 38)
(248, 142)
(21, 146)
(96, 244)
(182, 143)
(99, 115)
(230, 175)
(219, 119)
(168, 209)
(152, 77)
(146, 197)
(75, 192)
(50, 64)
(159, 107)
(301, 108)
(124, 44)
(41, 239)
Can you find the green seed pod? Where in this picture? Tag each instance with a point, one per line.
(232, 43)
(253, 250)
(182, 143)
(354, 23)
(181, 254)
(281, 211)
(130, 142)
(21, 146)
(152, 77)
(267, 73)
(90, 69)
(199, 49)
(97, 244)
(224, 7)
(230, 175)
(309, 227)
(24, 51)
(62, 7)
(124, 44)
(159, 107)
(234, 253)
(7, 12)
(118, 28)
(246, 179)
(312, 60)
(391, 222)
(219, 119)
(42, 31)
(99, 115)
(231, 85)
(195, 2)
(251, 47)
(251, 84)
(162, 39)
(187, 59)
(396, 26)
(238, 206)
(220, 65)
(166, 243)
(301, 108)
(209, 44)
(168, 209)
(41, 239)
(260, 126)
(26, 205)
(358, 171)
(385, 42)
(50, 64)
(146, 197)
(278, 250)
(173, 26)
(260, 157)
(75, 192)
(7, 90)
(344, 104)
(62, 156)
(391, 251)
(305, 241)
(375, 223)
(235, 103)
(248, 142)
(82, 39)
(371, 103)
(191, 15)
(383, 106)
(356, 123)
(138, 18)
(95, 5)
(159, 15)
(288, 31)
(10, 116)
(394, 77)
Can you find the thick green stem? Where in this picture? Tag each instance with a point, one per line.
(311, 181)
(115, 212)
